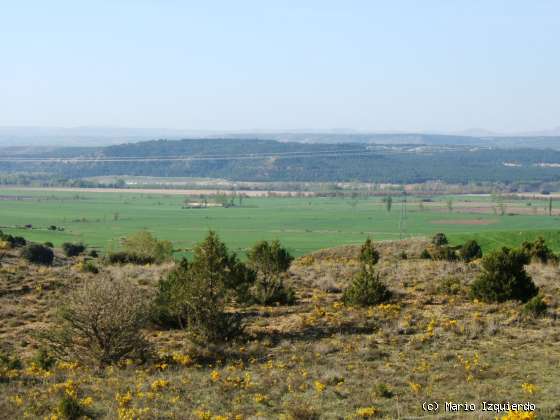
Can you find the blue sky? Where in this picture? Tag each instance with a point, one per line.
(372, 65)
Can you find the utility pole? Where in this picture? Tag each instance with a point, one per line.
(402, 219)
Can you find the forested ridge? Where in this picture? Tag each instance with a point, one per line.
(268, 160)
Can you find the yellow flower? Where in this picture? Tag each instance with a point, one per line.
(86, 402)
(124, 399)
(182, 359)
(159, 384)
(319, 387)
(416, 388)
(366, 412)
(519, 415)
(260, 398)
(215, 375)
(529, 388)
(202, 414)
(17, 400)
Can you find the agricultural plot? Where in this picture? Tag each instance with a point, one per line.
(303, 224)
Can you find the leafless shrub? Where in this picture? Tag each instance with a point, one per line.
(100, 323)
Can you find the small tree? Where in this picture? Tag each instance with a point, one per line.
(504, 277)
(449, 204)
(100, 323)
(470, 251)
(366, 290)
(145, 244)
(369, 256)
(194, 295)
(270, 261)
(38, 254)
(388, 203)
(440, 239)
(73, 250)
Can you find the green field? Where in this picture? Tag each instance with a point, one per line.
(303, 224)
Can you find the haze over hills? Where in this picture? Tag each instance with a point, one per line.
(103, 136)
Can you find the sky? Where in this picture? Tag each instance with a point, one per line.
(393, 65)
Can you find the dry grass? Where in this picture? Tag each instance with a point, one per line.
(316, 359)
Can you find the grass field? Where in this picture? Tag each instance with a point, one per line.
(303, 224)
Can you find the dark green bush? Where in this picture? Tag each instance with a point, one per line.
(70, 408)
(194, 295)
(270, 261)
(440, 239)
(273, 290)
(369, 256)
(73, 250)
(123, 257)
(38, 254)
(14, 241)
(49, 244)
(504, 277)
(470, 251)
(366, 290)
(539, 251)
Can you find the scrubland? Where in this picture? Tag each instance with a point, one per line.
(318, 358)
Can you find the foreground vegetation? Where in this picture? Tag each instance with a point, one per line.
(370, 331)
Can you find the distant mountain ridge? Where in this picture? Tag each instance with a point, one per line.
(105, 136)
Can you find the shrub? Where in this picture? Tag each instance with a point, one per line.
(270, 261)
(425, 255)
(49, 244)
(369, 256)
(13, 241)
(89, 267)
(195, 294)
(539, 251)
(444, 253)
(38, 254)
(440, 239)
(69, 408)
(366, 290)
(100, 323)
(536, 307)
(168, 308)
(73, 250)
(504, 277)
(273, 290)
(470, 251)
(128, 258)
(383, 391)
(93, 253)
(44, 359)
(143, 243)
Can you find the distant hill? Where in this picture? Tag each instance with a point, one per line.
(269, 160)
(105, 136)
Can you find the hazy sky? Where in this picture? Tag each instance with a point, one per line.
(373, 65)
